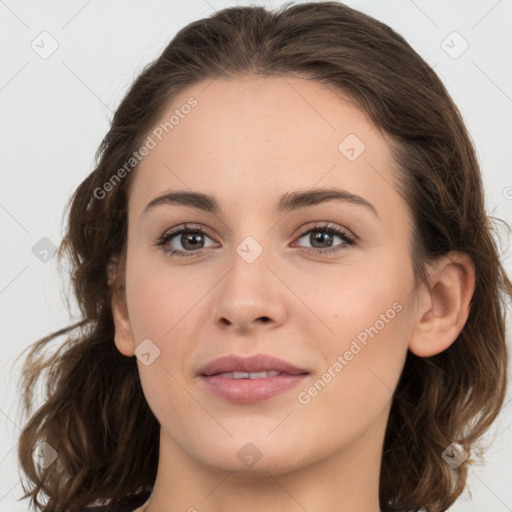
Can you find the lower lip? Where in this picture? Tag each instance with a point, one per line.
(250, 391)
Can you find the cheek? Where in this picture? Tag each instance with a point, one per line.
(158, 297)
(158, 307)
(344, 300)
(366, 309)
(162, 305)
(362, 367)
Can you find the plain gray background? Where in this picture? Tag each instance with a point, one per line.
(55, 108)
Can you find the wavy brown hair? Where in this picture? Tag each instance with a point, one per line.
(94, 413)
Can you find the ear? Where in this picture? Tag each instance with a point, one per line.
(123, 337)
(444, 303)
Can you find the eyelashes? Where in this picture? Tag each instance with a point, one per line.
(347, 239)
(167, 237)
(331, 230)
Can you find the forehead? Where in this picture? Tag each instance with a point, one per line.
(244, 138)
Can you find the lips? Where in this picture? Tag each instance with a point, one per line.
(251, 364)
(251, 379)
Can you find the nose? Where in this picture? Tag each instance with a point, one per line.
(249, 296)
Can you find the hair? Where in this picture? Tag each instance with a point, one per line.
(94, 414)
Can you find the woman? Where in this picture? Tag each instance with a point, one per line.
(286, 228)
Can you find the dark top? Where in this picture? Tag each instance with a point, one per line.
(129, 504)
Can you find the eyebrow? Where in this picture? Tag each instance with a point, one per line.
(287, 202)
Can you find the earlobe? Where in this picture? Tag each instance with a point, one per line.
(444, 305)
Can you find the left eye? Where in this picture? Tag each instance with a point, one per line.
(193, 237)
(316, 234)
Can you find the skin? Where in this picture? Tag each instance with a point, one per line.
(247, 142)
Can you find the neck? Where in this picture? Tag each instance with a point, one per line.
(341, 481)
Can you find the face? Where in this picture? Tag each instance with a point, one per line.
(325, 286)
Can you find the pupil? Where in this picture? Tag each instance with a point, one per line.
(321, 237)
(187, 238)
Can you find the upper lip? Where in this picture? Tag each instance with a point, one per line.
(254, 363)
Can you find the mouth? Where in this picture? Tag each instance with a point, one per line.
(251, 379)
(254, 366)
(250, 375)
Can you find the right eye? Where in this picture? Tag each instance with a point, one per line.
(190, 238)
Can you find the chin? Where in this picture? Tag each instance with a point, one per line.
(249, 455)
